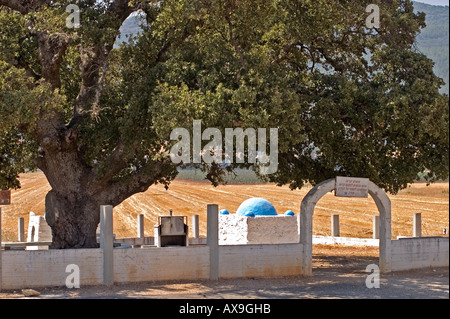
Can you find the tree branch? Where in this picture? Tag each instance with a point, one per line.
(117, 191)
(52, 48)
(24, 6)
(93, 59)
(236, 46)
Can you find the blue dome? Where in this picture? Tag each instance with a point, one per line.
(224, 212)
(257, 206)
(289, 213)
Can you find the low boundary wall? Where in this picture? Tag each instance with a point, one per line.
(260, 260)
(346, 241)
(47, 268)
(39, 268)
(106, 265)
(420, 252)
(153, 264)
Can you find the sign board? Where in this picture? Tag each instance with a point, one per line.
(5, 197)
(352, 187)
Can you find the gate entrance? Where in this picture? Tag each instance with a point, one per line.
(306, 223)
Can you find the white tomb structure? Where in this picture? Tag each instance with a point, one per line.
(38, 231)
(256, 222)
(241, 230)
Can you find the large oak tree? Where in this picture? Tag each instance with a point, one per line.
(96, 119)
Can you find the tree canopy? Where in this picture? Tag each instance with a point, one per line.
(96, 119)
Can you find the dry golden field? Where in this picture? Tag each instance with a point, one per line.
(188, 198)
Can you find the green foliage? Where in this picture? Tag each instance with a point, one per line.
(22, 103)
(299, 66)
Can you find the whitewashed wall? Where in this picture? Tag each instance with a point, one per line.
(37, 268)
(240, 230)
(260, 260)
(168, 263)
(421, 252)
(47, 268)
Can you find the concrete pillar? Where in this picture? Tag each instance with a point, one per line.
(107, 243)
(376, 227)
(417, 225)
(212, 240)
(195, 226)
(156, 229)
(384, 207)
(306, 224)
(140, 226)
(21, 230)
(335, 226)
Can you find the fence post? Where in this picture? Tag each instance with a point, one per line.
(417, 225)
(106, 243)
(335, 226)
(376, 227)
(212, 240)
(140, 226)
(195, 226)
(21, 230)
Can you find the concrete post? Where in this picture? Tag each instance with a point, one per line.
(107, 243)
(212, 240)
(306, 221)
(195, 226)
(376, 227)
(140, 226)
(21, 230)
(335, 226)
(384, 207)
(417, 225)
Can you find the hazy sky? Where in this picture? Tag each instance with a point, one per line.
(435, 2)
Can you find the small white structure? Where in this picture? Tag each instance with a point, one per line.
(242, 230)
(38, 230)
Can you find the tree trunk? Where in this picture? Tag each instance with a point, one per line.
(73, 224)
(72, 209)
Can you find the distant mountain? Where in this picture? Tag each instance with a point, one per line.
(130, 27)
(433, 40)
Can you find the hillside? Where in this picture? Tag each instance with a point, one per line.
(434, 39)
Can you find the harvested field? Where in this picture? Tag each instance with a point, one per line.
(189, 198)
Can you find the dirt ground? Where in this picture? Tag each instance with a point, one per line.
(189, 198)
(339, 272)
